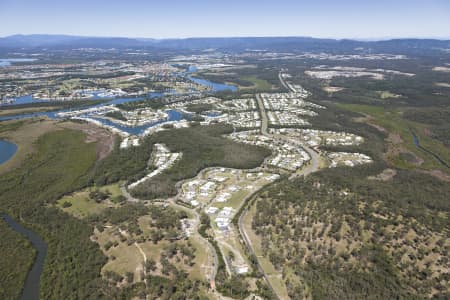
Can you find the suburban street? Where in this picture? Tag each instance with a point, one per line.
(312, 166)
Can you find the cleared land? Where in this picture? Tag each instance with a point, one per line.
(272, 274)
(80, 204)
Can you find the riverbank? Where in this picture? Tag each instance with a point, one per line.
(31, 288)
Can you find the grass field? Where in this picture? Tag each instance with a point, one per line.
(82, 205)
(388, 95)
(201, 259)
(125, 256)
(258, 84)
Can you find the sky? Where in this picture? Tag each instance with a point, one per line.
(361, 19)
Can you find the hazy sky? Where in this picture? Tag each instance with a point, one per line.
(202, 18)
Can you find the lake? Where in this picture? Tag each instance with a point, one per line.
(7, 150)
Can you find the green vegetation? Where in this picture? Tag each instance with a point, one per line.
(73, 262)
(116, 115)
(152, 103)
(199, 108)
(91, 200)
(16, 259)
(124, 232)
(339, 235)
(258, 84)
(395, 123)
(379, 234)
(202, 147)
(436, 119)
(46, 106)
(123, 164)
(253, 79)
(388, 95)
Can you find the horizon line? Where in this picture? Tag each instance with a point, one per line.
(364, 39)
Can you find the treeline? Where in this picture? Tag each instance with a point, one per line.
(165, 280)
(73, 262)
(16, 259)
(301, 224)
(123, 164)
(202, 147)
(199, 108)
(337, 229)
(56, 104)
(437, 119)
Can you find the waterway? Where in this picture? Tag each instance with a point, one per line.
(437, 157)
(5, 62)
(173, 114)
(7, 150)
(215, 86)
(31, 287)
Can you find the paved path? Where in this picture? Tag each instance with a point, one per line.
(127, 194)
(283, 82)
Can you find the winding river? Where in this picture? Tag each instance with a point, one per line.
(7, 150)
(418, 145)
(31, 287)
(173, 115)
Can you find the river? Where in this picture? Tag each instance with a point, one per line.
(436, 156)
(216, 87)
(31, 287)
(5, 62)
(173, 114)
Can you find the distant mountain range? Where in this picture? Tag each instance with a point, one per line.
(39, 41)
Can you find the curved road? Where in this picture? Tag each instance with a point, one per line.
(172, 201)
(215, 264)
(312, 166)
